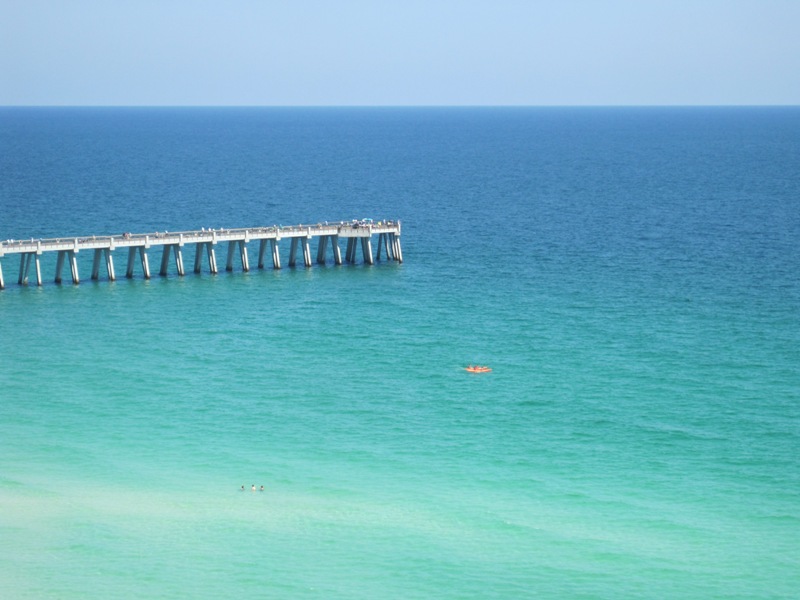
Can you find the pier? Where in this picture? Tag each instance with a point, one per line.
(358, 235)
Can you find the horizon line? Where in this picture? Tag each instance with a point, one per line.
(399, 105)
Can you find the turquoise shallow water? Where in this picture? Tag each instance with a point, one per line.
(630, 275)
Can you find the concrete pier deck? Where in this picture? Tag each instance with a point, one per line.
(140, 245)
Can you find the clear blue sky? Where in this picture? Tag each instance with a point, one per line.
(399, 52)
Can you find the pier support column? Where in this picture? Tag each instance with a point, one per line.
(198, 256)
(384, 242)
(276, 256)
(38, 269)
(389, 247)
(366, 249)
(262, 250)
(337, 253)
(176, 248)
(323, 242)
(212, 258)
(110, 264)
(179, 259)
(323, 246)
(229, 261)
(73, 265)
(132, 260)
(24, 261)
(145, 262)
(96, 263)
(168, 249)
(165, 260)
(24, 267)
(383, 246)
(396, 250)
(2, 282)
(307, 251)
(350, 254)
(208, 248)
(243, 255)
(59, 265)
(109, 260)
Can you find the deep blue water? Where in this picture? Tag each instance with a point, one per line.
(631, 275)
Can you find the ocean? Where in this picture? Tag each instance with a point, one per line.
(630, 275)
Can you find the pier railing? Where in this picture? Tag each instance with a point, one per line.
(205, 240)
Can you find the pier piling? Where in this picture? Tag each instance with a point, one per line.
(109, 260)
